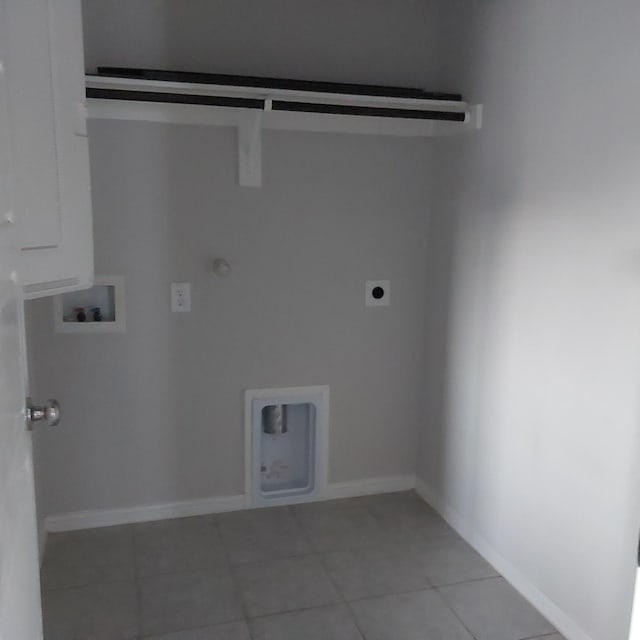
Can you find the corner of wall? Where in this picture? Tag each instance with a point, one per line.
(567, 626)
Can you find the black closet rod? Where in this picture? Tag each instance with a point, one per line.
(285, 84)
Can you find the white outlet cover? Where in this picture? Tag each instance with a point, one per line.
(181, 297)
(377, 293)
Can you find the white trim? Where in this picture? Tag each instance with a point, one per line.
(322, 440)
(251, 122)
(204, 115)
(264, 93)
(250, 150)
(119, 325)
(54, 287)
(203, 506)
(565, 625)
(146, 513)
(369, 486)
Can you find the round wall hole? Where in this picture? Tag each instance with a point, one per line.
(377, 293)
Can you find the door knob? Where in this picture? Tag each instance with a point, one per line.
(50, 412)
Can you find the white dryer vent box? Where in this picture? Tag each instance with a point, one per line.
(377, 293)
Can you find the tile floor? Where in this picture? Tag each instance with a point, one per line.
(382, 567)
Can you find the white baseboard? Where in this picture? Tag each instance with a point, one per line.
(370, 486)
(565, 625)
(218, 504)
(146, 513)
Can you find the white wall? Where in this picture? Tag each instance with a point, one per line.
(532, 440)
(156, 414)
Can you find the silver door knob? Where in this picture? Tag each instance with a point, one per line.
(50, 412)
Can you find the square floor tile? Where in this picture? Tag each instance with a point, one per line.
(323, 623)
(493, 610)
(91, 556)
(95, 612)
(399, 503)
(324, 505)
(175, 602)
(406, 516)
(177, 546)
(449, 559)
(337, 529)
(374, 571)
(262, 534)
(421, 615)
(230, 631)
(284, 585)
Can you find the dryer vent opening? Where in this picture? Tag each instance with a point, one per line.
(286, 438)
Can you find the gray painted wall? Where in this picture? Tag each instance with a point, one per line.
(533, 438)
(156, 414)
(375, 41)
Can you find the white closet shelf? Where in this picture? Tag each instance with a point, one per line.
(253, 104)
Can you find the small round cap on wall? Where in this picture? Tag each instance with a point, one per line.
(221, 267)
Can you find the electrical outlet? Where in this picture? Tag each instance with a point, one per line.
(181, 297)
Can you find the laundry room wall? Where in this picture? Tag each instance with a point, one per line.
(155, 415)
(374, 42)
(531, 439)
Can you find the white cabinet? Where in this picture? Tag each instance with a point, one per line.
(50, 146)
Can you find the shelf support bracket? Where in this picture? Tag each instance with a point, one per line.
(475, 116)
(250, 150)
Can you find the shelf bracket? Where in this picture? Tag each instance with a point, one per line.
(250, 150)
(475, 116)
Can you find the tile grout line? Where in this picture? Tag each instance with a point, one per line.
(301, 528)
(234, 577)
(498, 577)
(210, 570)
(362, 503)
(342, 597)
(455, 615)
(315, 552)
(80, 584)
(380, 521)
(136, 581)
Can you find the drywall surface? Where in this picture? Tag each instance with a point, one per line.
(155, 414)
(533, 438)
(335, 40)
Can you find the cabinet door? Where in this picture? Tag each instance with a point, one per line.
(50, 146)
